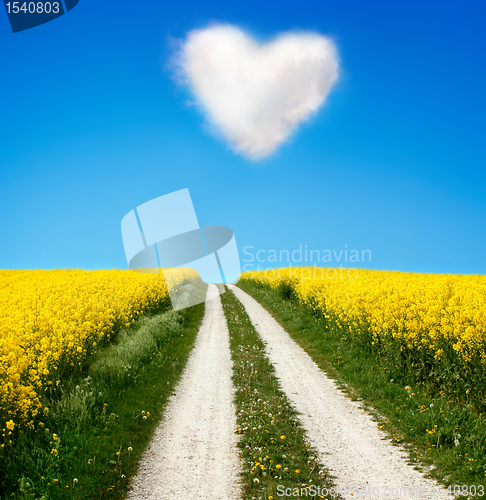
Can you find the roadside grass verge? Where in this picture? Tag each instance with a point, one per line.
(443, 438)
(274, 451)
(100, 420)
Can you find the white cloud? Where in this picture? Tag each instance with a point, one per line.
(257, 95)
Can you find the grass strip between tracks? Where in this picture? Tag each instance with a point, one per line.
(275, 454)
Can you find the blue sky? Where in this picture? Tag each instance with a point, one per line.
(92, 124)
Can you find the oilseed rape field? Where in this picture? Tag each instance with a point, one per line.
(427, 327)
(50, 323)
(88, 359)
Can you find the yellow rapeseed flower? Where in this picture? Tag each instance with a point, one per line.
(432, 318)
(49, 318)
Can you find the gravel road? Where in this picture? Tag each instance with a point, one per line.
(349, 442)
(193, 453)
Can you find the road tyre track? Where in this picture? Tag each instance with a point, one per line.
(193, 453)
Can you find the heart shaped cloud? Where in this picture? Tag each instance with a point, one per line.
(257, 95)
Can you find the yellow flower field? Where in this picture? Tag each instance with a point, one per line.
(51, 320)
(438, 322)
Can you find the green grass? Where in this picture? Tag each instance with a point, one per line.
(101, 420)
(446, 439)
(274, 449)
